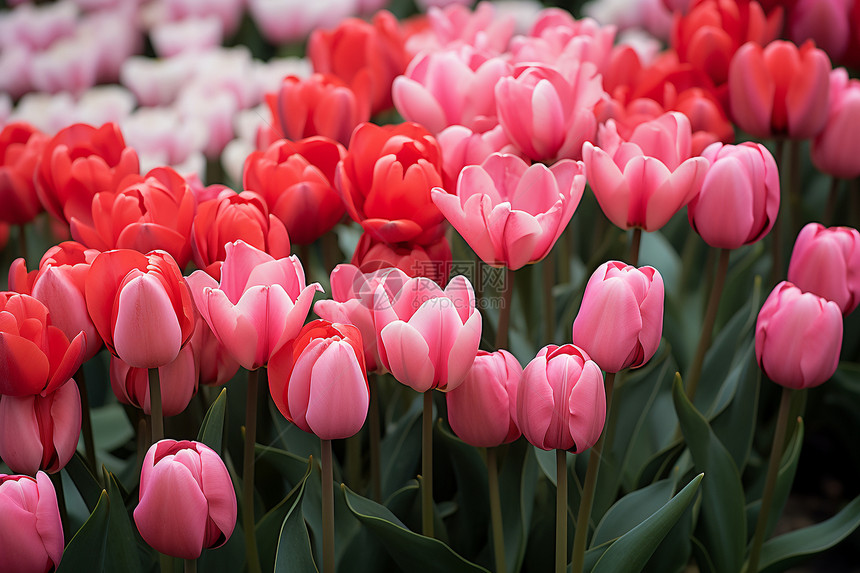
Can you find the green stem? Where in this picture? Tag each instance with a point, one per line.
(157, 419)
(770, 482)
(86, 421)
(505, 310)
(584, 517)
(375, 433)
(165, 563)
(57, 480)
(496, 510)
(708, 325)
(248, 521)
(548, 300)
(478, 283)
(832, 199)
(795, 204)
(22, 241)
(190, 566)
(561, 511)
(427, 465)
(330, 250)
(635, 242)
(327, 507)
(352, 461)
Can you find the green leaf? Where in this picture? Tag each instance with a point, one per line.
(286, 464)
(86, 550)
(84, 480)
(631, 510)
(723, 519)
(270, 525)
(631, 551)
(123, 553)
(400, 449)
(212, 429)
(517, 482)
(735, 426)
(294, 554)
(412, 552)
(111, 427)
(784, 551)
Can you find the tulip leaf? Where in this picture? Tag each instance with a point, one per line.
(294, 552)
(400, 450)
(84, 480)
(631, 551)
(412, 552)
(269, 526)
(735, 426)
(517, 482)
(86, 550)
(723, 519)
(289, 466)
(631, 510)
(212, 429)
(782, 552)
(122, 538)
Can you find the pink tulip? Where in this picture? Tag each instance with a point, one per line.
(833, 150)
(319, 381)
(482, 410)
(644, 181)
(259, 305)
(511, 213)
(561, 402)
(178, 381)
(31, 533)
(214, 364)
(620, 321)
(461, 147)
(187, 502)
(352, 292)
(825, 22)
(826, 261)
(40, 432)
(739, 199)
(427, 337)
(798, 337)
(486, 28)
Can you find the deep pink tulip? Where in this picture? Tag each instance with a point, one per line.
(780, 89)
(620, 322)
(40, 432)
(461, 147)
(428, 337)
(482, 410)
(561, 403)
(31, 533)
(215, 366)
(798, 337)
(511, 213)
(178, 381)
(319, 381)
(825, 22)
(259, 305)
(644, 181)
(739, 199)
(834, 149)
(352, 292)
(826, 261)
(187, 501)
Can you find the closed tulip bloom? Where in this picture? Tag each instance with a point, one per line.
(511, 213)
(798, 337)
(643, 181)
(140, 305)
(833, 149)
(215, 366)
(482, 410)
(561, 402)
(35, 356)
(620, 322)
(461, 147)
(319, 381)
(31, 533)
(178, 381)
(433, 261)
(739, 199)
(826, 261)
(21, 147)
(825, 22)
(428, 337)
(780, 89)
(259, 305)
(187, 501)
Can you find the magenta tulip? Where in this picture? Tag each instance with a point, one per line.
(826, 261)
(31, 533)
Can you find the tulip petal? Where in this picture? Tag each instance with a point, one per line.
(339, 394)
(21, 445)
(408, 356)
(147, 333)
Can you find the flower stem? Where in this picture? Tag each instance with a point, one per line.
(635, 242)
(770, 481)
(190, 566)
(561, 511)
(505, 310)
(86, 421)
(327, 507)
(248, 521)
(548, 300)
(57, 480)
(157, 419)
(496, 510)
(22, 241)
(427, 465)
(832, 199)
(708, 325)
(375, 433)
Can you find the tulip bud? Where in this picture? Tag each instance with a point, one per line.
(177, 379)
(798, 337)
(561, 402)
(187, 502)
(31, 533)
(432, 261)
(20, 148)
(826, 261)
(834, 149)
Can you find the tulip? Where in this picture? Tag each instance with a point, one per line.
(488, 27)
(230, 217)
(482, 410)
(511, 213)
(826, 261)
(288, 22)
(187, 502)
(561, 402)
(620, 321)
(258, 306)
(780, 89)
(798, 337)
(461, 147)
(739, 199)
(35, 356)
(178, 383)
(427, 337)
(296, 178)
(832, 149)
(31, 533)
(20, 149)
(826, 22)
(432, 261)
(215, 366)
(140, 306)
(385, 182)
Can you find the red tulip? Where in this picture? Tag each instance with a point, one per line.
(31, 532)
(21, 147)
(432, 261)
